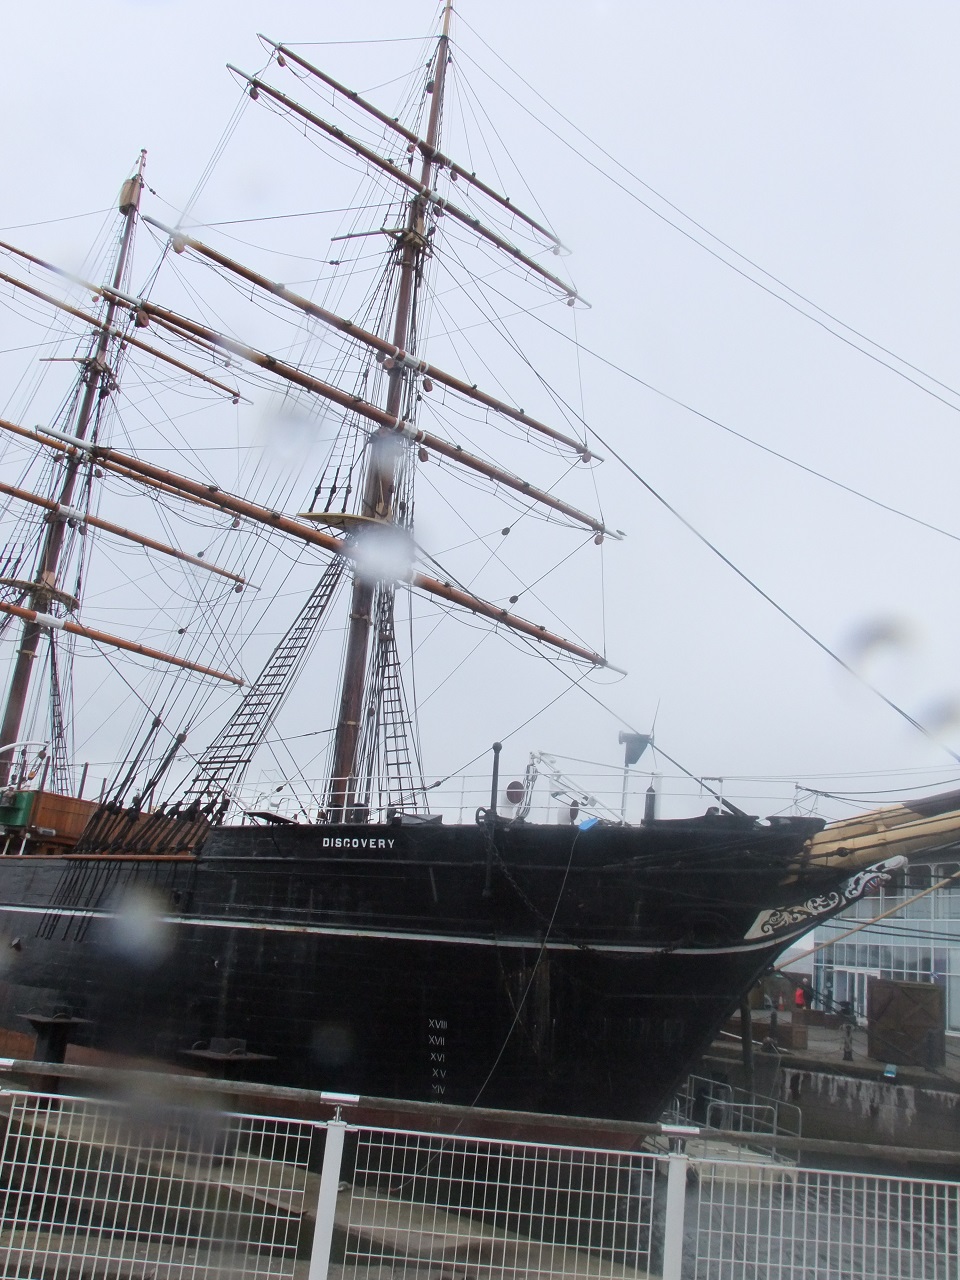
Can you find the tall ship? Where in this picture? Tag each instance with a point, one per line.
(363, 935)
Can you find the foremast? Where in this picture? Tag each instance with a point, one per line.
(98, 378)
(382, 466)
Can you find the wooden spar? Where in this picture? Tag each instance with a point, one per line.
(209, 337)
(423, 147)
(191, 328)
(167, 489)
(456, 454)
(466, 600)
(373, 340)
(47, 620)
(422, 581)
(68, 513)
(212, 495)
(205, 495)
(422, 189)
(382, 417)
(110, 464)
(124, 337)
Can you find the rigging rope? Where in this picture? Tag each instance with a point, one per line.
(900, 711)
(706, 248)
(785, 613)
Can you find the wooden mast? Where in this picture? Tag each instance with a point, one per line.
(99, 383)
(382, 459)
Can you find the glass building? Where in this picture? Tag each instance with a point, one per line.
(920, 943)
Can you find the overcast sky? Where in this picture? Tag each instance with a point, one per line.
(816, 139)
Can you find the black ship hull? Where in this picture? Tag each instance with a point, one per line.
(550, 969)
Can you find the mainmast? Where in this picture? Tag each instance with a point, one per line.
(383, 461)
(98, 384)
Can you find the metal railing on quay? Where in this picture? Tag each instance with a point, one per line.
(743, 1221)
(172, 1176)
(751, 1123)
(146, 1187)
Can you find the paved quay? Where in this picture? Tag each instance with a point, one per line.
(824, 1051)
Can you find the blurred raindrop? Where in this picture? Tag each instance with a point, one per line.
(291, 430)
(138, 931)
(386, 454)
(877, 639)
(332, 1044)
(385, 553)
(941, 714)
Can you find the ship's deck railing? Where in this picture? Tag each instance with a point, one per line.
(458, 799)
(577, 797)
(157, 1185)
(564, 792)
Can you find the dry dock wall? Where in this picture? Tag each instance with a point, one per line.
(858, 1106)
(847, 1109)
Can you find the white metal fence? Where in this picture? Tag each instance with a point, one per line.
(149, 1190)
(456, 1207)
(100, 1188)
(750, 1222)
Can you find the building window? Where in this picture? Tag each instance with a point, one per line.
(919, 877)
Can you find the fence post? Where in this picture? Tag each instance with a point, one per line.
(673, 1218)
(327, 1200)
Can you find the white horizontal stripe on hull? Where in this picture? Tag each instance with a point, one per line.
(397, 935)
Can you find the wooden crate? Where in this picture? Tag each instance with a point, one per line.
(64, 815)
(906, 1023)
